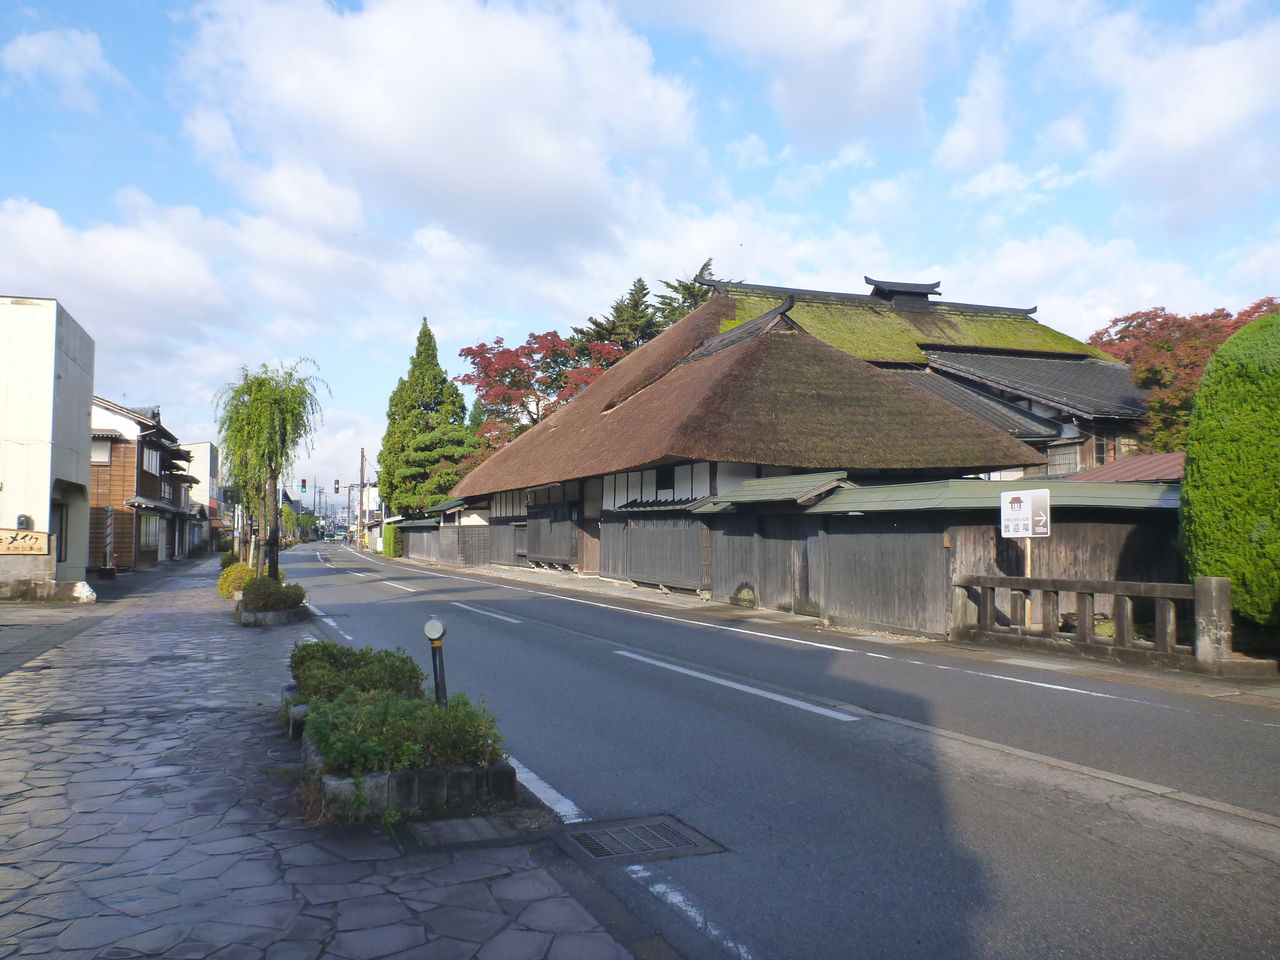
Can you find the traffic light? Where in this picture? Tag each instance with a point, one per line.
(302, 485)
(337, 486)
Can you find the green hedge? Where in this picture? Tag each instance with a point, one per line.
(1231, 496)
(392, 542)
(324, 670)
(228, 559)
(378, 731)
(262, 594)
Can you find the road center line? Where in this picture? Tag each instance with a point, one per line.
(487, 613)
(355, 573)
(399, 586)
(734, 685)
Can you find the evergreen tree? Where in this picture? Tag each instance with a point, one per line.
(683, 296)
(432, 465)
(630, 322)
(422, 401)
(1231, 496)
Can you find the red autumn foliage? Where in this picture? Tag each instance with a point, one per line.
(1167, 353)
(521, 385)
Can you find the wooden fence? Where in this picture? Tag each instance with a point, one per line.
(1189, 625)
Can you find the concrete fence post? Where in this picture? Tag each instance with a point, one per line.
(1213, 618)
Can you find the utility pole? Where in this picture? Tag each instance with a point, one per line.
(360, 528)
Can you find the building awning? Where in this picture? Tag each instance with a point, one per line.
(430, 523)
(801, 489)
(653, 506)
(146, 503)
(985, 495)
(105, 433)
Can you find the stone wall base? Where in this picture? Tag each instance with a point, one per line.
(47, 591)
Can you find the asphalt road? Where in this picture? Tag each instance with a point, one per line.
(872, 800)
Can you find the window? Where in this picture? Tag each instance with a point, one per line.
(150, 537)
(100, 451)
(151, 460)
(166, 491)
(1063, 459)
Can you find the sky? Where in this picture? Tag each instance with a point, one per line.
(209, 185)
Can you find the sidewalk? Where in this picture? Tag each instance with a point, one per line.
(145, 811)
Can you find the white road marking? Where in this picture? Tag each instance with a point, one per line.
(564, 808)
(1059, 688)
(487, 613)
(672, 896)
(733, 685)
(399, 586)
(355, 573)
(316, 610)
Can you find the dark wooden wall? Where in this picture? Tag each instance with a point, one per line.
(553, 532)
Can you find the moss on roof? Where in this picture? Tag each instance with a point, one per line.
(871, 329)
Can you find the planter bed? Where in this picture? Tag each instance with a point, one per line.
(422, 791)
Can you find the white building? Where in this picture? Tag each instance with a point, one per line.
(45, 396)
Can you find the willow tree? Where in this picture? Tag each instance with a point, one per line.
(262, 420)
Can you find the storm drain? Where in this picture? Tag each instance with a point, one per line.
(636, 840)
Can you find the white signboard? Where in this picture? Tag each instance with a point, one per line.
(1024, 513)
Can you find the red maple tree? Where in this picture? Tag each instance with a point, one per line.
(521, 385)
(1167, 353)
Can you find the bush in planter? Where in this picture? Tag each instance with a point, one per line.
(263, 594)
(324, 670)
(234, 578)
(373, 731)
(228, 559)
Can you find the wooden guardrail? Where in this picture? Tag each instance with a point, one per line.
(976, 617)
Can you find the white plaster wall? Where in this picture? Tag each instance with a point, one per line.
(730, 476)
(27, 344)
(45, 397)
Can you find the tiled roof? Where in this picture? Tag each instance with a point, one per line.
(1142, 467)
(796, 488)
(1084, 385)
(1020, 423)
(985, 495)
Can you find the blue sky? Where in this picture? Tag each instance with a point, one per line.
(205, 185)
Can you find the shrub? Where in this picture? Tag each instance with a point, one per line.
(234, 578)
(324, 670)
(374, 731)
(228, 559)
(262, 594)
(1231, 496)
(393, 543)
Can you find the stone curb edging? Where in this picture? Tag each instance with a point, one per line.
(417, 791)
(271, 618)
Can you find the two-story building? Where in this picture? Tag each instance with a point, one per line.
(138, 489)
(45, 392)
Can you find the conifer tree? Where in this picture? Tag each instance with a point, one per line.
(424, 400)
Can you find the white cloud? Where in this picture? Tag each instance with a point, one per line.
(1066, 135)
(876, 200)
(67, 62)
(833, 65)
(749, 152)
(979, 135)
(796, 182)
(506, 125)
(1079, 285)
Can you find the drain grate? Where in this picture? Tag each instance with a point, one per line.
(636, 840)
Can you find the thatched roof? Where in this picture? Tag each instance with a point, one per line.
(772, 394)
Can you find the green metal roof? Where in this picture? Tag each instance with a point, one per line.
(429, 524)
(795, 488)
(985, 495)
(446, 507)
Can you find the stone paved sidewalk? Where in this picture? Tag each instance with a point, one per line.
(145, 811)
